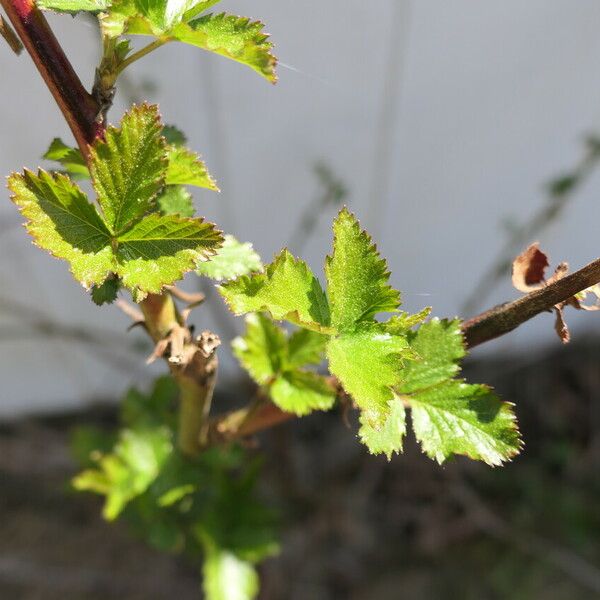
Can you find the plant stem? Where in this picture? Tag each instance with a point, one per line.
(193, 364)
(77, 105)
(139, 54)
(506, 317)
(482, 328)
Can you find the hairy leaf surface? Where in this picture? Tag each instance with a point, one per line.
(232, 260)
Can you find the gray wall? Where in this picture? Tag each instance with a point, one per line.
(442, 118)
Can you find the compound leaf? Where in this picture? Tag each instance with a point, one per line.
(357, 277)
(128, 166)
(232, 260)
(287, 290)
(159, 249)
(62, 221)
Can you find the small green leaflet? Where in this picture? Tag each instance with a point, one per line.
(287, 289)
(129, 470)
(232, 260)
(450, 416)
(128, 167)
(383, 433)
(231, 36)
(357, 277)
(74, 6)
(145, 249)
(186, 168)
(274, 361)
(69, 158)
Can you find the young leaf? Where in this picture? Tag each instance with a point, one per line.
(457, 418)
(368, 364)
(265, 353)
(301, 392)
(357, 277)
(440, 346)
(105, 293)
(262, 350)
(74, 6)
(129, 470)
(288, 290)
(128, 167)
(449, 416)
(175, 200)
(62, 221)
(232, 260)
(159, 249)
(186, 168)
(305, 347)
(383, 433)
(231, 36)
(69, 158)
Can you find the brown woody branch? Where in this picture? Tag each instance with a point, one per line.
(77, 105)
(482, 328)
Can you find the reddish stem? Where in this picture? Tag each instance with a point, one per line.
(77, 105)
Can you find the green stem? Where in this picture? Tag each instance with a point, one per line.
(139, 54)
(194, 368)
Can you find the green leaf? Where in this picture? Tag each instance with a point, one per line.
(403, 322)
(69, 158)
(73, 6)
(439, 345)
(262, 350)
(368, 364)
(159, 249)
(231, 36)
(174, 136)
(128, 167)
(62, 221)
(232, 260)
(288, 290)
(301, 392)
(175, 200)
(457, 418)
(228, 577)
(450, 416)
(129, 470)
(106, 293)
(383, 432)
(186, 168)
(357, 277)
(163, 14)
(305, 347)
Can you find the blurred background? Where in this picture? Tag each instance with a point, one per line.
(458, 133)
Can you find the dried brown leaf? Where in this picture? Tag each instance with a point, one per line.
(528, 269)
